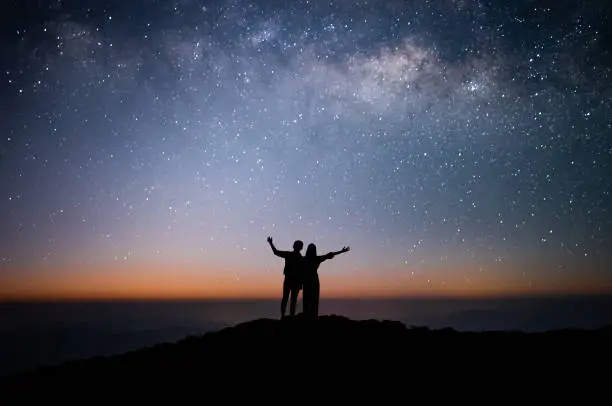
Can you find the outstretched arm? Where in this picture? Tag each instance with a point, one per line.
(282, 254)
(332, 254)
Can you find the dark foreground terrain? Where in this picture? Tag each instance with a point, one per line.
(276, 360)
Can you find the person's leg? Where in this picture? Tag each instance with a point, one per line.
(305, 298)
(309, 307)
(294, 295)
(286, 291)
(308, 299)
(315, 298)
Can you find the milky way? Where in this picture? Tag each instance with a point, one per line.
(441, 140)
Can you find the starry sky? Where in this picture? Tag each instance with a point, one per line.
(459, 147)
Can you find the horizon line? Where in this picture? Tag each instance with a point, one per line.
(504, 296)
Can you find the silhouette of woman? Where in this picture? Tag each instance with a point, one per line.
(293, 281)
(312, 287)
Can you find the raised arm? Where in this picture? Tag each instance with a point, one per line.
(282, 254)
(332, 254)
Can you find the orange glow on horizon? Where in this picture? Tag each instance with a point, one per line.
(194, 283)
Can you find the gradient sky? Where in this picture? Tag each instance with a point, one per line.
(148, 148)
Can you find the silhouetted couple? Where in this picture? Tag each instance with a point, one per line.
(301, 272)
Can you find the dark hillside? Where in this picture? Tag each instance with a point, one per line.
(333, 354)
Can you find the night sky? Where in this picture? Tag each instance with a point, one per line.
(148, 148)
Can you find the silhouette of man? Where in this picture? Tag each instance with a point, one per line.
(312, 287)
(292, 271)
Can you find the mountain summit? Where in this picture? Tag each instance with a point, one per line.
(300, 354)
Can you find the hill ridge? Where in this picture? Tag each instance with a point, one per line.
(262, 350)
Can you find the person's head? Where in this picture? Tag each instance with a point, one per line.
(311, 251)
(298, 245)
